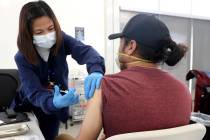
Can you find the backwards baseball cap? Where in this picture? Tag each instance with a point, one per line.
(145, 29)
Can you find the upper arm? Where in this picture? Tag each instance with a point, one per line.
(92, 123)
(28, 78)
(31, 86)
(74, 48)
(84, 54)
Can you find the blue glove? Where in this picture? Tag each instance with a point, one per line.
(65, 100)
(92, 82)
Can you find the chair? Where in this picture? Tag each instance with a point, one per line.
(9, 83)
(202, 93)
(188, 132)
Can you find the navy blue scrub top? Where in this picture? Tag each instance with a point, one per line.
(35, 78)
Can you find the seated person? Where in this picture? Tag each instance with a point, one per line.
(141, 97)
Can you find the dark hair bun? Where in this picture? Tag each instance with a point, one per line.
(174, 53)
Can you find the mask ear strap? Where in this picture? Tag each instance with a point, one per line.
(135, 58)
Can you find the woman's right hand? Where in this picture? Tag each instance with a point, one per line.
(70, 98)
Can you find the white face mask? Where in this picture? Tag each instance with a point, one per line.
(45, 41)
(117, 62)
(122, 65)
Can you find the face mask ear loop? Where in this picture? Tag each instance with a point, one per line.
(136, 58)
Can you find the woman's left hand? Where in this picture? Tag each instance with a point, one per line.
(92, 82)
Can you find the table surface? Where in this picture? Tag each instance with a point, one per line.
(34, 132)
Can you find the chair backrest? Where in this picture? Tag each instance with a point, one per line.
(9, 83)
(188, 132)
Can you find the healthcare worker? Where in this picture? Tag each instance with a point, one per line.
(43, 69)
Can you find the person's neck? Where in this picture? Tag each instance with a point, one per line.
(143, 64)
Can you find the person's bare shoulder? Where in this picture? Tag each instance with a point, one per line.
(96, 99)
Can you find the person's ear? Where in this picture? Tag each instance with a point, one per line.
(131, 47)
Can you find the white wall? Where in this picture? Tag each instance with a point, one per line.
(9, 14)
(70, 13)
(139, 5)
(88, 14)
(184, 8)
(201, 8)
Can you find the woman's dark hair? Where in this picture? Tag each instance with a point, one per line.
(169, 52)
(28, 14)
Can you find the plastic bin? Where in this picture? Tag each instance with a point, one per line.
(203, 119)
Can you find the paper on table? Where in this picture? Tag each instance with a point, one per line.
(1, 122)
